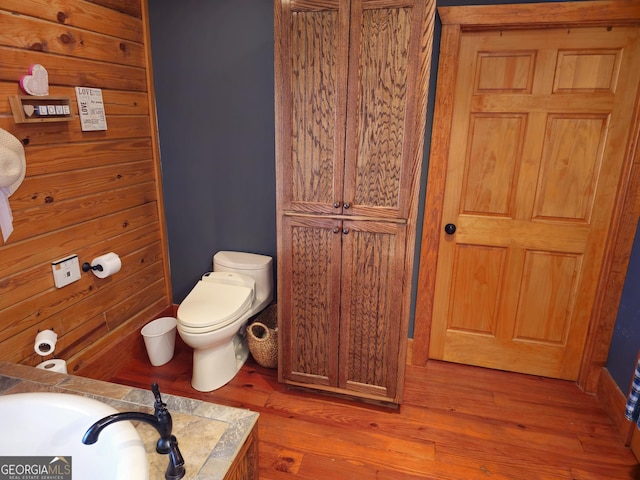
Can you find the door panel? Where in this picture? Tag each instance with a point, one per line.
(314, 122)
(385, 37)
(371, 309)
(312, 299)
(539, 129)
(570, 166)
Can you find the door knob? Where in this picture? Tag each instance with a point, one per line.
(346, 205)
(450, 229)
(336, 205)
(336, 230)
(345, 231)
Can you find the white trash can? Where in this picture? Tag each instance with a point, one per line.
(160, 339)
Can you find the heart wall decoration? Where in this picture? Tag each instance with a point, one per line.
(37, 82)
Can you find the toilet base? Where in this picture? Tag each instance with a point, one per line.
(215, 367)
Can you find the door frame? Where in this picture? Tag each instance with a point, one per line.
(627, 207)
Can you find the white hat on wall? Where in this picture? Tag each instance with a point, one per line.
(13, 164)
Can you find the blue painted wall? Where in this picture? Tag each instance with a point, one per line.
(213, 74)
(626, 335)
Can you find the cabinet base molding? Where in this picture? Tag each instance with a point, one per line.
(340, 394)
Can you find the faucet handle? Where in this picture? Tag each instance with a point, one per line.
(156, 393)
(175, 470)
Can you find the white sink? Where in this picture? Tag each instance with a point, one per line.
(53, 424)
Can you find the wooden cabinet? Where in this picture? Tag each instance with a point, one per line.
(245, 465)
(351, 91)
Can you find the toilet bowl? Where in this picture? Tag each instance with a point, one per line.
(213, 316)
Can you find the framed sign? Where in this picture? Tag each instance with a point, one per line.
(91, 109)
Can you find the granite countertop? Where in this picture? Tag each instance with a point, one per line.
(208, 454)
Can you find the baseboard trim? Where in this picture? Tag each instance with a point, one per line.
(614, 402)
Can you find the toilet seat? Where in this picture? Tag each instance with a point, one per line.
(214, 303)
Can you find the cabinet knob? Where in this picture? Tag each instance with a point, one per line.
(336, 230)
(346, 205)
(345, 231)
(336, 204)
(450, 229)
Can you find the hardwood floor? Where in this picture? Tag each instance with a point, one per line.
(456, 423)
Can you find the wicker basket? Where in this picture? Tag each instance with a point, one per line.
(262, 336)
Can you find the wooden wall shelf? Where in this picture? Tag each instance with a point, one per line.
(32, 109)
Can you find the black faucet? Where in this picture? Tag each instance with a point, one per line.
(161, 420)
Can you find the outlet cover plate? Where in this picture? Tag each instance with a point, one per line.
(66, 271)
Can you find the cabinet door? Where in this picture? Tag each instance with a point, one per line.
(310, 300)
(348, 140)
(311, 48)
(385, 105)
(371, 317)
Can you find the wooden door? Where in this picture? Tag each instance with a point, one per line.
(385, 103)
(309, 300)
(371, 306)
(342, 304)
(539, 135)
(311, 96)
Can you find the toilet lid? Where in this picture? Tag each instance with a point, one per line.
(212, 304)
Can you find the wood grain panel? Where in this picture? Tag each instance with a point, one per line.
(382, 141)
(82, 15)
(371, 309)
(583, 70)
(245, 466)
(85, 193)
(493, 162)
(515, 72)
(45, 189)
(20, 256)
(49, 159)
(487, 265)
(35, 34)
(133, 9)
(54, 133)
(548, 291)
(70, 71)
(315, 37)
(310, 335)
(115, 102)
(312, 95)
(28, 296)
(381, 97)
(570, 167)
(60, 215)
(80, 312)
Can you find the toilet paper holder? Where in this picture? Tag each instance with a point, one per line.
(45, 342)
(86, 266)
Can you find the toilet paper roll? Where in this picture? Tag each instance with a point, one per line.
(108, 265)
(55, 365)
(45, 342)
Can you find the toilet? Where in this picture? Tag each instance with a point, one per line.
(212, 318)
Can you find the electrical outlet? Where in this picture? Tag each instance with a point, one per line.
(66, 271)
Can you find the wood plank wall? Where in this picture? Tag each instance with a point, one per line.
(85, 193)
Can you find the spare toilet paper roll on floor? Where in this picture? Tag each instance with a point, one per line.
(109, 264)
(45, 342)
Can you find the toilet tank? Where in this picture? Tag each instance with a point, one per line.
(258, 267)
